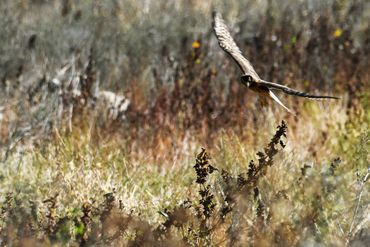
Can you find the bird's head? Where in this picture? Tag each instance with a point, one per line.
(247, 80)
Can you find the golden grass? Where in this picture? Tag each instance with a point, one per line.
(306, 198)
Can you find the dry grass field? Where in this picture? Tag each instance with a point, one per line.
(123, 123)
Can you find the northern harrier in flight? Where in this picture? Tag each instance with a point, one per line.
(250, 78)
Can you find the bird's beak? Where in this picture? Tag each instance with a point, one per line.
(245, 83)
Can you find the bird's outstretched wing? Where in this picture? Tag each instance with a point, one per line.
(288, 90)
(228, 44)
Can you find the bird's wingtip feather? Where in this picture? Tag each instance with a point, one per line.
(274, 97)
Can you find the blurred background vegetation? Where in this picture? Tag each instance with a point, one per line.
(174, 91)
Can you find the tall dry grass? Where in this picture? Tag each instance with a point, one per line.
(105, 106)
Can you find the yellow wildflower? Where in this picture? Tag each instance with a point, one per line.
(195, 45)
(338, 32)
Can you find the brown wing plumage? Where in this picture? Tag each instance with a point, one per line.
(228, 44)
